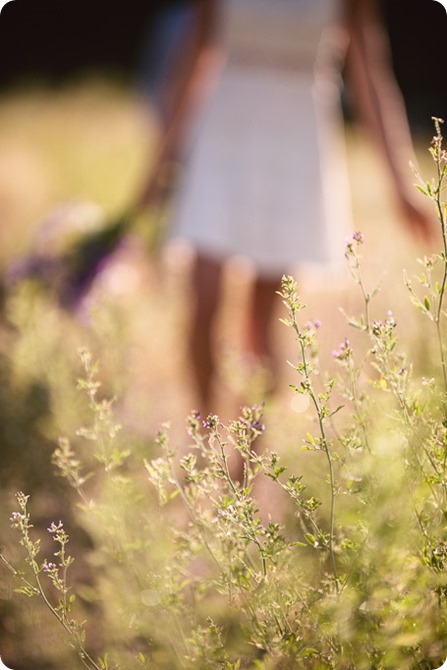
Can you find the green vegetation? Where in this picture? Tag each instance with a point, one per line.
(145, 550)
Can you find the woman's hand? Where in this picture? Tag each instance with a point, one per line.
(380, 107)
(417, 218)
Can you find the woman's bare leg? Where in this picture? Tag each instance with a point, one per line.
(259, 343)
(206, 283)
(264, 300)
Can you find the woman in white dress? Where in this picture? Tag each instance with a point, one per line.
(252, 106)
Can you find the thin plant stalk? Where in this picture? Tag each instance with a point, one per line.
(293, 305)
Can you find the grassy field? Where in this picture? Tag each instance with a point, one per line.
(91, 142)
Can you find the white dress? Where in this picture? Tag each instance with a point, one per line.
(265, 175)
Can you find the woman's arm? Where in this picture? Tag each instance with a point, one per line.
(380, 107)
(192, 69)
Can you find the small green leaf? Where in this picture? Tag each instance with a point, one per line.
(421, 189)
(310, 652)
(311, 539)
(244, 582)
(26, 591)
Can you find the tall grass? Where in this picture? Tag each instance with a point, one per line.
(345, 567)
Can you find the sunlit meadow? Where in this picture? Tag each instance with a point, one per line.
(136, 547)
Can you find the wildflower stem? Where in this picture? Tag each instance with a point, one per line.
(324, 444)
(191, 513)
(441, 346)
(292, 303)
(444, 280)
(238, 494)
(440, 160)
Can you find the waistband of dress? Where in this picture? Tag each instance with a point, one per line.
(256, 58)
